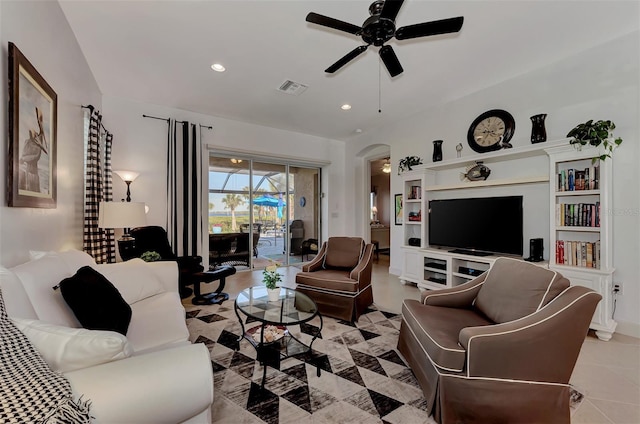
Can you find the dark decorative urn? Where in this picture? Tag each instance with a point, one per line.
(538, 131)
(437, 150)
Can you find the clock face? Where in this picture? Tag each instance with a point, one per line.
(491, 131)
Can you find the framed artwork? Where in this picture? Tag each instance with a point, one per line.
(33, 114)
(398, 208)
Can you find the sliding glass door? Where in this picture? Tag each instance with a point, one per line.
(261, 212)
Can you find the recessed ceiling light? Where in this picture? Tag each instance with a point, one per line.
(345, 106)
(218, 67)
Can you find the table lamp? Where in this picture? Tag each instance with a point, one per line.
(122, 215)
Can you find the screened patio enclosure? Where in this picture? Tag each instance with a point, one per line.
(261, 212)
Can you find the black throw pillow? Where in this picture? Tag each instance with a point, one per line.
(96, 303)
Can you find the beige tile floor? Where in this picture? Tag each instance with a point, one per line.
(607, 373)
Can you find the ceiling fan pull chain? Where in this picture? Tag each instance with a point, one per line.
(379, 88)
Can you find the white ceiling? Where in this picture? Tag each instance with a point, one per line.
(160, 52)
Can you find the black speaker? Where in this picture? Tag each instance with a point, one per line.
(536, 250)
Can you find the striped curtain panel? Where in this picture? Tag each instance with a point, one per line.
(184, 189)
(97, 242)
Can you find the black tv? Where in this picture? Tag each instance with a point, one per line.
(479, 226)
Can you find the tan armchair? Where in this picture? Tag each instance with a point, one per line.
(500, 348)
(338, 279)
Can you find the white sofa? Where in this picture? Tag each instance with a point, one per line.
(155, 374)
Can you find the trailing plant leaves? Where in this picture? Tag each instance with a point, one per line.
(596, 133)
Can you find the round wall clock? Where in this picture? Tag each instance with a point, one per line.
(303, 201)
(491, 131)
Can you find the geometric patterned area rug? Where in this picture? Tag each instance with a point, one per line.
(363, 379)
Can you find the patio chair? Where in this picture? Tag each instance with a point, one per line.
(257, 229)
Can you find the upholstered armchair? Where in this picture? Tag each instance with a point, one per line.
(154, 238)
(500, 348)
(338, 279)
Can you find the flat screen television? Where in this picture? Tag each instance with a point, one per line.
(483, 225)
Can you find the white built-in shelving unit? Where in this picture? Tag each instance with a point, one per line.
(433, 269)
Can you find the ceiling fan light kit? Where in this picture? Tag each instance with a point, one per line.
(379, 28)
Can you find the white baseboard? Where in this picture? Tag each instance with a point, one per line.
(395, 271)
(628, 329)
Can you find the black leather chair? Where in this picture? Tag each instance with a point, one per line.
(154, 238)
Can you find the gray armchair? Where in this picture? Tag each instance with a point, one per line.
(500, 348)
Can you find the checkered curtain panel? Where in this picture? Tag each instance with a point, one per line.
(184, 188)
(97, 242)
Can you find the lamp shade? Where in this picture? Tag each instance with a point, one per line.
(121, 215)
(127, 175)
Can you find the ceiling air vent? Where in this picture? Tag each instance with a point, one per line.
(293, 88)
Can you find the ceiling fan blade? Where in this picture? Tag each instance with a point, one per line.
(390, 9)
(346, 59)
(390, 60)
(424, 29)
(315, 18)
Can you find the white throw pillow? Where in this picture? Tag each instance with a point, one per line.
(16, 301)
(134, 279)
(67, 349)
(37, 254)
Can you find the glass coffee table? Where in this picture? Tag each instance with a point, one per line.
(271, 339)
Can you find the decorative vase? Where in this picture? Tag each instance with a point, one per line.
(538, 131)
(437, 150)
(274, 294)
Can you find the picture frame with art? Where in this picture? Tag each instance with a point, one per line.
(33, 115)
(398, 209)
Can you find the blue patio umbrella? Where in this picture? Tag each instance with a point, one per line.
(270, 202)
(266, 201)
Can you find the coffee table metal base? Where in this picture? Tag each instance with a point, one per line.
(272, 353)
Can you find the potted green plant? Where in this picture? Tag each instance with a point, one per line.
(406, 163)
(271, 277)
(595, 133)
(150, 256)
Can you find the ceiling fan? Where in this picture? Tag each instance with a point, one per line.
(379, 28)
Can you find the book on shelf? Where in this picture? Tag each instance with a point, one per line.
(578, 214)
(415, 216)
(578, 253)
(579, 179)
(415, 193)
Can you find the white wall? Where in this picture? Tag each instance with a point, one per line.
(41, 32)
(140, 145)
(601, 83)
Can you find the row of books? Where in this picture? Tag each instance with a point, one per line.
(578, 253)
(578, 214)
(415, 193)
(579, 179)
